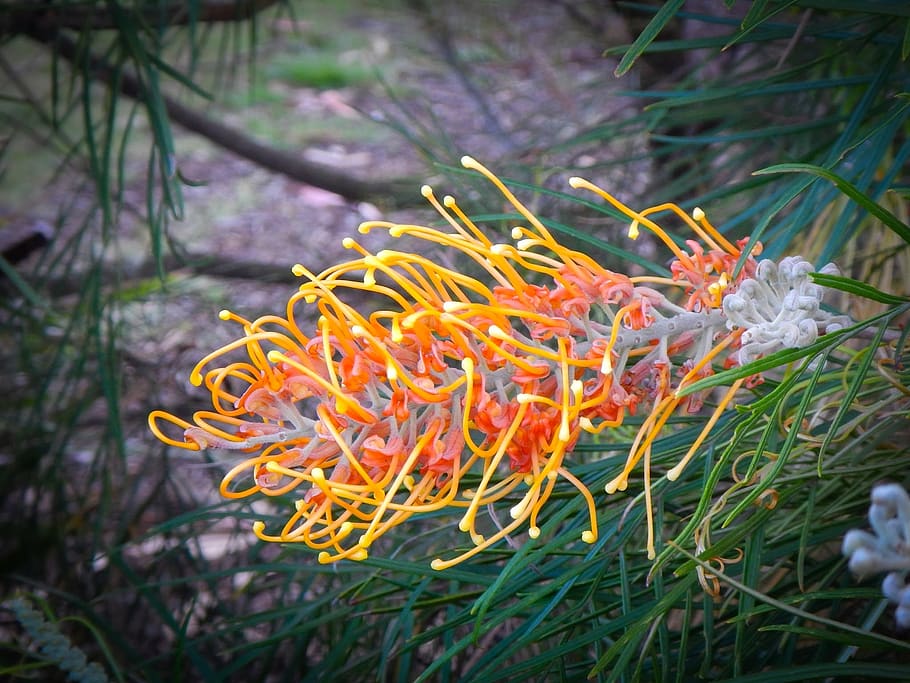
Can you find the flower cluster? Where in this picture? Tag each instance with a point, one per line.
(779, 308)
(887, 549)
(462, 392)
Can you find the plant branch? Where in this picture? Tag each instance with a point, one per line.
(292, 165)
(23, 17)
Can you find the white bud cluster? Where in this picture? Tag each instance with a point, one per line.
(779, 308)
(887, 549)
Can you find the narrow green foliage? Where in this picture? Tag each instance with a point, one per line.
(648, 35)
(160, 583)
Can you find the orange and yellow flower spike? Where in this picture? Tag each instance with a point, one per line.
(368, 418)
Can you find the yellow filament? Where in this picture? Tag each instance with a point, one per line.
(479, 235)
(156, 415)
(342, 443)
(367, 538)
(467, 364)
(538, 504)
(649, 504)
(474, 165)
(674, 473)
(327, 353)
(729, 339)
(725, 244)
(590, 535)
(396, 371)
(252, 347)
(489, 340)
(467, 521)
(564, 433)
(449, 203)
(499, 268)
(200, 417)
(343, 401)
(440, 564)
(621, 481)
(634, 215)
(695, 227)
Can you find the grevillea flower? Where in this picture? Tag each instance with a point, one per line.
(779, 308)
(373, 417)
(887, 548)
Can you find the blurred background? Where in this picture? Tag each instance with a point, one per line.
(161, 161)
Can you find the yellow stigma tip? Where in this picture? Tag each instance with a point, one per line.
(258, 527)
(274, 356)
(272, 466)
(533, 532)
(195, 379)
(633, 230)
(576, 182)
(588, 536)
(318, 474)
(586, 424)
(698, 214)
(618, 484)
(426, 191)
(468, 162)
(497, 332)
(467, 364)
(324, 557)
(364, 228)
(517, 233)
(224, 314)
(437, 564)
(448, 201)
(452, 306)
(297, 270)
(348, 242)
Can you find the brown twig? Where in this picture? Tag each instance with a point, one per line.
(292, 165)
(23, 17)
